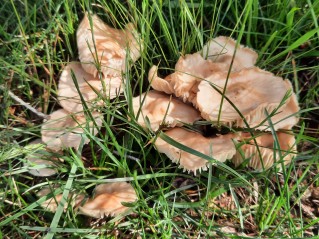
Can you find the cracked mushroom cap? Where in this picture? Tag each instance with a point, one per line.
(252, 91)
(161, 109)
(268, 155)
(106, 47)
(220, 148)
(89, 86)
(64, 129)
(51, 204)
(108, 199)
(38, 158)
(221, 49)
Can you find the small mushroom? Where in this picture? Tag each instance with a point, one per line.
(252, 91)
(51, 204)
(105, 48)
(161, 109)
(89, 86)
(108, 200)
(263, 156)
(219, 148)
(221, 49)
(41, 157)
(64, 129)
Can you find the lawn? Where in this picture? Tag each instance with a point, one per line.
(38, 39)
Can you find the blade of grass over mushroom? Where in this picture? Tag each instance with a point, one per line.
(220, 165)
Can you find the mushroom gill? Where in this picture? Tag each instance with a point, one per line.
(90, 88)
(65, 130)
(108, 200)
(161, 109)
(265, 154)
(252, 91)
(220, 148)
(104, 48)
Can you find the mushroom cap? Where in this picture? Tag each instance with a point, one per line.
(51, 204)
(61, 130)
(38, 158)
(162, 109)
(252, 91)
(219, 147)
(108, 200)
(106, 46)
(89, 86)
(221, 49)
(159, 84)
(189, 71)
(265, 142)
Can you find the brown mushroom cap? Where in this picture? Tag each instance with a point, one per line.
(252, 91)
(89, 86)
(221, 49)
(219, 147)
(61, 130)
(159, 84)
(162, 109)
(51, 204)
(106, 46)
(38, 158)
(265, 142)
(108, 200)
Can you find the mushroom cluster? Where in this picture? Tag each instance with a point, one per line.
(222, 85)
(105, 55)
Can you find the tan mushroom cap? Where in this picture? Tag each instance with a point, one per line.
(161, 109)
(189, 71)
(38, 158)
(89, 86)
(106, 46)
(51, 204)
(108, 200)
(61, 130)
(252, 91)
(220, 148)
(269, 156)
(221, 49)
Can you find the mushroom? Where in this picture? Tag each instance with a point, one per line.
(189, 71)
(41, 157)
(219, 147)
(105, 48)
(89, 86)
(51, 204)
(221, 49)
(252, 91)
(161, 109)
(248, 150)
(108, 200)
(64, 129)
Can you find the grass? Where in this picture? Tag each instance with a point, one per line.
(37, 40)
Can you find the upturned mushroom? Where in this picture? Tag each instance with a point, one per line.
(104, 48)
(160, 109)
(108, 200)
(265, 153)
(251, 91)
(219, 147)
(91, 88)
(65, 130)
